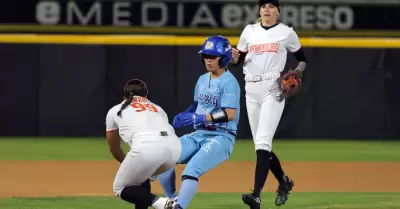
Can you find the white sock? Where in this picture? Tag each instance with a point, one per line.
(160, 203)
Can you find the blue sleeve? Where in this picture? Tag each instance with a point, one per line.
(231, 95)
(192, 107)
(196, 90)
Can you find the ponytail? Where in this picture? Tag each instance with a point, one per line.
(126, 103)
(134, 87)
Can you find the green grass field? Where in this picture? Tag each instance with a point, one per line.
(221, 201)
(96, 149)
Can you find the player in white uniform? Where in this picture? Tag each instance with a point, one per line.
(263, 50)
(154, 147)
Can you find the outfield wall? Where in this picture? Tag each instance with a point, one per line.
(64, 85)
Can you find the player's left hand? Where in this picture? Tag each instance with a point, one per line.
(192, 118)
(298, 72)
(177, 122)
(290, 82)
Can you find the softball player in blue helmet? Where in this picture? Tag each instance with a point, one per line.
(214, 114)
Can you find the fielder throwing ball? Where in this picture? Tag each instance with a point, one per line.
(154, 147)
(214, 114)
(263, 48)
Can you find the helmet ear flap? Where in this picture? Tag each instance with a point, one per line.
(202, 59)
(221, 61)
(224, 61)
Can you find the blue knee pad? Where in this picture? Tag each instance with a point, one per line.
(184, 177)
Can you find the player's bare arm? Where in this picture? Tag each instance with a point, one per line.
(227, 114)
(114, 143)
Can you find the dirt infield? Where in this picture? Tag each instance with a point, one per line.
(33, 179)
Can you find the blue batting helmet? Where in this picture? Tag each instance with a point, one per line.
(218, 46)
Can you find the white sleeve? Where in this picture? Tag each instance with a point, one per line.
(293, 42)
(111, 125)
(162, 112)
(171, 129)
(165, 115)
(243, 45)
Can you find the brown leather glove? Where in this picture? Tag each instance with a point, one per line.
(290, 82)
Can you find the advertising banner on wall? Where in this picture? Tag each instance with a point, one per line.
(198, 14)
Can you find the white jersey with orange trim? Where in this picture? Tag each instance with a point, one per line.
(141, 116)
(154, 146)
(267, 49)
(265, 60)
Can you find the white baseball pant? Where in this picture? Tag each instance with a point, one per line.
(264, 110)
(150, 155)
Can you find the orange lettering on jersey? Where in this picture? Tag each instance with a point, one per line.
(268, 47)
(139, 99)
(140, 107)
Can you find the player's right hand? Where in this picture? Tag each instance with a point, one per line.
(235, 53)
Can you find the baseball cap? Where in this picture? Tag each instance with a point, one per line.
(273, 2)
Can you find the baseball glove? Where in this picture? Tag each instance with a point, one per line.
(290, 82)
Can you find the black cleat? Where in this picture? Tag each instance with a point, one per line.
(177, 206)
(252, 201)
(283, 191)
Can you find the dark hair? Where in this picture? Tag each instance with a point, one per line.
(134, 87)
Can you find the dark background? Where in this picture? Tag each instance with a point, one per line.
(365, 16)
(66, 90)
(319, 18)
